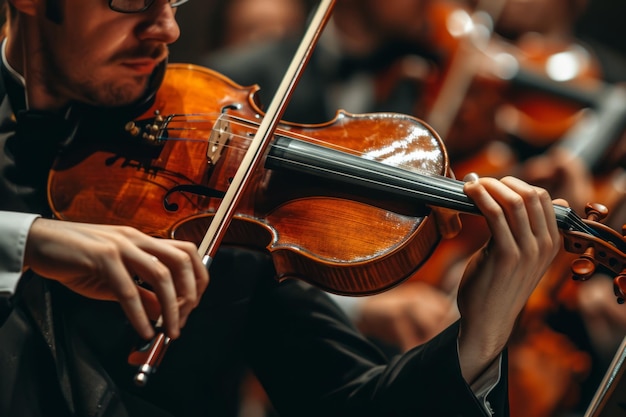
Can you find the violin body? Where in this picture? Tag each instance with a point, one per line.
(346, 239)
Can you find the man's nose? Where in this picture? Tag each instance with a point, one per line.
(160, 23)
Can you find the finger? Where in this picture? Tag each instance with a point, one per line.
(550, 211)
(200, 271)
(176, 274)
(539, 208)
(560, 202)
(151, 270)
(515, 207)
(190, 275)
(490, 208)
(127, 293)
(542, 213)
(181, 266)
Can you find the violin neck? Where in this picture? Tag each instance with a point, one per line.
(347, 169)
(351, 170)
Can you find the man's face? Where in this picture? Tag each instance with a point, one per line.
(99, 56)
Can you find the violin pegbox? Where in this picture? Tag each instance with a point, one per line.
(598, 244)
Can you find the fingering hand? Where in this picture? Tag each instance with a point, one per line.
(500, 278)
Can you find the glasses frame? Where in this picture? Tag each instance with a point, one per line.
(173, 3)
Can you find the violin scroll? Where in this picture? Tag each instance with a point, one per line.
(598, 245)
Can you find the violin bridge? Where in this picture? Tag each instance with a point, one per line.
(220, 135)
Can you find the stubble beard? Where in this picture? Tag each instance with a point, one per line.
(104, 93)
(114, 93)
(82, 85)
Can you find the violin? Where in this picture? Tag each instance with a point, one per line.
(169, 181)
(353, 206)
(168, 174)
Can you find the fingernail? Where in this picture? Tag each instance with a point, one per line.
(471, 177)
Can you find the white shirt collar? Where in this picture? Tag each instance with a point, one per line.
(16, 75)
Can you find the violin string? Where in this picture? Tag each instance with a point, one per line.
(241, 123)
(418, 188)
(454, 189)
(573, 221)
(285, 132)
(435, 183)
(431, 181)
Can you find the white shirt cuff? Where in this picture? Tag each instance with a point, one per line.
(14, 228)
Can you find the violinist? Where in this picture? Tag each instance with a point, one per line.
(72, 70)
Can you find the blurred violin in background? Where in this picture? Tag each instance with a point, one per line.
(486, 87)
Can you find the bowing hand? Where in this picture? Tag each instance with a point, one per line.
(103, 262)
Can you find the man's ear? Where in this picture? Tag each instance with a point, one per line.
(28, 7)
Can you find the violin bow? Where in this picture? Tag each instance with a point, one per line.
(148, 358)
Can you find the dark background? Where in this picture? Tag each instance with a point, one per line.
(604, 21)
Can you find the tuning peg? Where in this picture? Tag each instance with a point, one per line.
(132, 128)
(619, 287)
(596, 212)
(584, 266)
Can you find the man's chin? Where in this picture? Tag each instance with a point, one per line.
(123, 93)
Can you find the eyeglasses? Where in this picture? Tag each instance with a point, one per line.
(138, 6)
